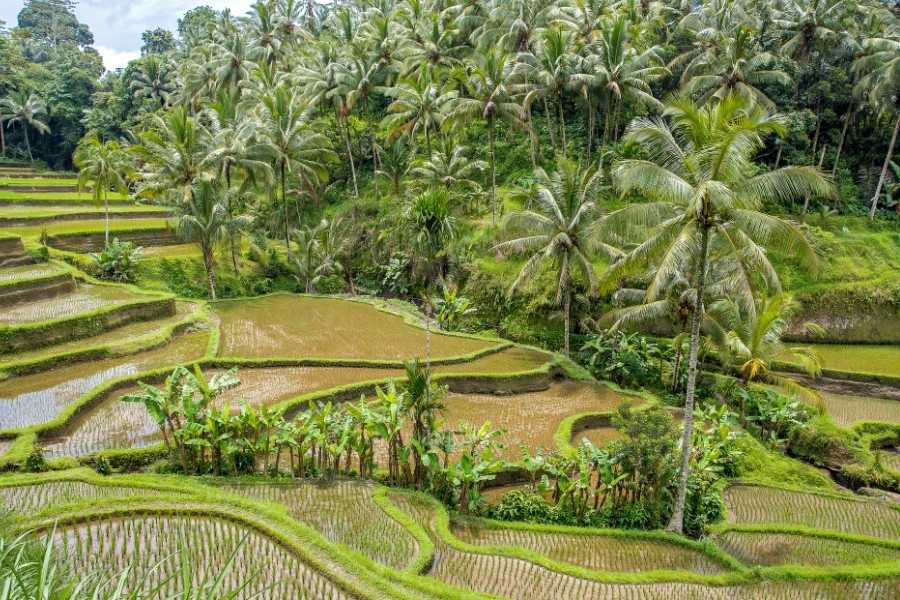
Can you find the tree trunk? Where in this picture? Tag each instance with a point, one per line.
(806, 198)
(837, 157)
(778, 155)
(350, 156)
(590, 123)
(2, 140)
(284, 210)
(27, 143)
(209, 263)
(562, 126)
(550, 128)
(884, 168)
(567, 309)
(815, 144)
(676, 523)
(532, 135)
(493, 174)
(106, 210)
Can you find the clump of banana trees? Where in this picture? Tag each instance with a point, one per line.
(397, 436)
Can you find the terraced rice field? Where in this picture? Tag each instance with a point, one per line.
(298, 326)
(343, 512)
(34, 399)
(891, 459)
(4, 446)
(97, 212)
(757, 504)
(598, 436)
(530, 419)
(92, 226)
(9, 274)
(773, 549)
(522, 580)
(151, 545)
(86, 298)
(877, 359)
(847, 409)
(596, 552)
(172, 250)
(124, 334)
(28, 499)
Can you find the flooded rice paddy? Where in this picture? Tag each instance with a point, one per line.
(774, 549)
(86, 298)
(27, 272)
(34, 399)
(846, 409)
(756, 504)
(116, 424)
(876, 359)
(343, 512)
(597, 552)
(302, 326)
(151, 546)
(34, 498)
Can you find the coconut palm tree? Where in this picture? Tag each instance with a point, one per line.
(737, 66)
(203, 220)
(810, 23)
(105, 165)
(701, 191)
(26, 110)
(450, 168)
(172, 152)
(878, 70)
(487, 96)
(751, 342)
(154, 79)
(559, 231)
(418, 107)
(290, 143)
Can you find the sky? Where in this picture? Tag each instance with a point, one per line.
(117, 25)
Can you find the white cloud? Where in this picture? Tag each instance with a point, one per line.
(115, 59)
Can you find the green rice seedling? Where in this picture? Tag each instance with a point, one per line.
(598, 552)
(344, 512)
(758, 504)
(185, 556)
(26, 272)
(860, 358)
(86, 298)
(847, 409)
(27, 499)
(773, 549)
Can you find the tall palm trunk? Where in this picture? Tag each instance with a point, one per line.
(550, 128)
(2, 140)
(287, 245)
(562, 127)
(567, 309)
(676, 523)
(27, 143)
(884, 168)
(493, 173)
(209, 264)
(837, 157)
(106, 210)
(350, 156)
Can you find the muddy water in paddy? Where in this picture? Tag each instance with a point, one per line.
(530, 419)
(27, 272)
(37, 398)
(301, 326)
(116, 424)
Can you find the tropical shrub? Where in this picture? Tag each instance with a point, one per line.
(628, 359)
(118, 261)
(451, 307)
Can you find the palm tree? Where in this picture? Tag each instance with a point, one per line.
(105, 165)
(878, 70)
(291, 145)
(394, 164)
(751, 342)
(737, 66)
(24, 109)
(701, 191)
(203, 220)
(809, 23)
(172, 152)
(418, 107)
(433, 227)
(451, 169)
(154, 79)
(559, 231)
(488, 97)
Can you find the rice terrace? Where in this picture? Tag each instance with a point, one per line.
(449, 299)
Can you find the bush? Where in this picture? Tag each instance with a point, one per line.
(522, 505)
(35, 463)
(628, 359)
(118, 261)
(102, 466)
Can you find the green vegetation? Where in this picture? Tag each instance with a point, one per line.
(694, 204)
